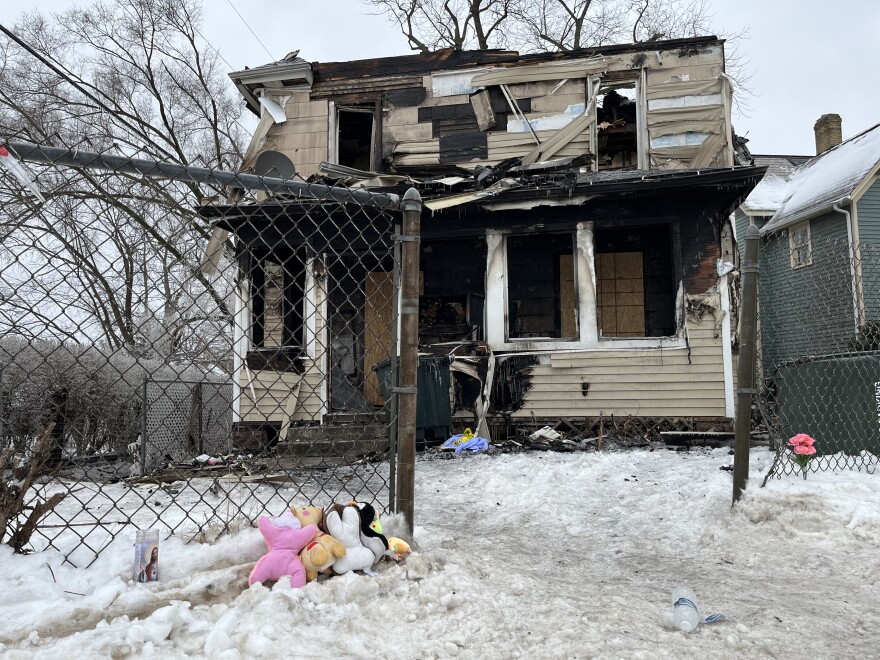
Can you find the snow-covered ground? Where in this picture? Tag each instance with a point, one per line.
(536, 555)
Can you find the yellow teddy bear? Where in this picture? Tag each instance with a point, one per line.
(320, 555)
(309, 515)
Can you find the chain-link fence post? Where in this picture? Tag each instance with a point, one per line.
(142, 449)
(409, 339)
(2, 410)
(746, 368)
(394, 402)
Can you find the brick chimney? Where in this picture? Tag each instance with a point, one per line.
(828, 133)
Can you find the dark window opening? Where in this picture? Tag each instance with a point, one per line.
(616, 126)
(354, 131)
(452, 290)
(541, 298)
(635, 282)
(277, 301)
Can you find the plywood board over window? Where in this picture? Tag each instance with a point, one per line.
(378, 317)
(621, 295)
(567, 295)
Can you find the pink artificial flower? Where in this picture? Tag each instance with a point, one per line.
(804, 450)
(801, 439)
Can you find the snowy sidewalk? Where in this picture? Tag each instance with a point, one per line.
(529, 555)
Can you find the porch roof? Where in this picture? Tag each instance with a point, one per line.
(517, 190)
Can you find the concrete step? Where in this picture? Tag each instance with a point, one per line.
(335, 440)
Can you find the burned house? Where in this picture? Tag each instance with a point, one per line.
(575, 249)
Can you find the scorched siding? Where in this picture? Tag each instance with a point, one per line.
(643, 383)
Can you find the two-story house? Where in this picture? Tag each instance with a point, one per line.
(574, 236)
(819, 285)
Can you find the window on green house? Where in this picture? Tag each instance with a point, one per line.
(801, 245)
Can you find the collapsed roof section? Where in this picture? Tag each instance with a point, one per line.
(294, 72)
(561, 184)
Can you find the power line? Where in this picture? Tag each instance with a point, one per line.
(214, 48)
(271, 57)
(81, 85)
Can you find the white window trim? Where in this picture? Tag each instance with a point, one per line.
(792, 248)
(585, 287)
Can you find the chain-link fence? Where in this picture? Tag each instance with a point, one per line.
(186, 348)
(819, 347)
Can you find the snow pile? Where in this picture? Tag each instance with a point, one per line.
(527, 555)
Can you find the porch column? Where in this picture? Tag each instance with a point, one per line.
(496, 290)
(585, 281)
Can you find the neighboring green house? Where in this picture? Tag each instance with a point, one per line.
(819, 290)
(820, 246)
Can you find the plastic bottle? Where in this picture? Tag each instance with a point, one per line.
(685, 615)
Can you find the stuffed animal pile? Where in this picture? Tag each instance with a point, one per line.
(308, 541)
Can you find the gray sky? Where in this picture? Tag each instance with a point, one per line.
(807, 57)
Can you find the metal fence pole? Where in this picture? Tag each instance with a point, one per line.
(40, 153)
(394, 401)
(2, 412)
(746, 367)
(409, 339)
(143, 447)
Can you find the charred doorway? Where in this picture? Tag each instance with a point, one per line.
(360, 291)
(452, 290)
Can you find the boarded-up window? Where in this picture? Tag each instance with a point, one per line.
(273, 328)
(635, 283)
(540, 286)
(621, 294)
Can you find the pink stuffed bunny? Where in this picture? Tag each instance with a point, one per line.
(285, 539)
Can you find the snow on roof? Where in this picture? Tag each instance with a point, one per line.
(827, 178)
(769, 194)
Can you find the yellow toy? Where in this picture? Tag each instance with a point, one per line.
(320, 555)
(308, 515)
(399, 547)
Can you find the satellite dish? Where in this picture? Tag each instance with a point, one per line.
(274, 164)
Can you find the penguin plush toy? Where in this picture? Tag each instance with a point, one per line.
(370, 537)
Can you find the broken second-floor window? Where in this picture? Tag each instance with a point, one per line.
(617, 132)
(354, 136)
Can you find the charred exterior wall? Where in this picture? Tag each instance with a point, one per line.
(439, 110)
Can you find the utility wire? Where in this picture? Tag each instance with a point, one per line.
(271, 57)
(80, 85)
(58, 69)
